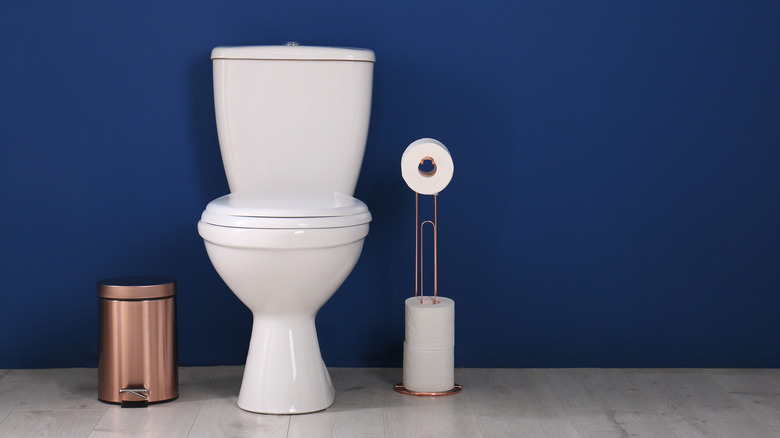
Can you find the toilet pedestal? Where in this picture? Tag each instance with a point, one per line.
(284, 371)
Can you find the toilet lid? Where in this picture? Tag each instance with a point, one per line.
(280, 210)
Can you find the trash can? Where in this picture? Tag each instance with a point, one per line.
(137, 358)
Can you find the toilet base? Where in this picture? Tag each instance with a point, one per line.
(284, 371)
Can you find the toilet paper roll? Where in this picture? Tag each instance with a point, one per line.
(429, 370)
(430, 325)
(431, 182)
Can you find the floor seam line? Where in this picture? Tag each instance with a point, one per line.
(471, 400)
(663, 418)
(562, 405)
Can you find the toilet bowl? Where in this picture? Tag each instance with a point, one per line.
(284, 257)
(292, 124)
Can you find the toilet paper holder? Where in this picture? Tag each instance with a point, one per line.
(427, 168)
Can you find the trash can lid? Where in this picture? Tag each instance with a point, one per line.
(136, 288)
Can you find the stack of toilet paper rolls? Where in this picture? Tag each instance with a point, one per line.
(429, 348)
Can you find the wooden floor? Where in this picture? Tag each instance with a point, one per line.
(556, 403)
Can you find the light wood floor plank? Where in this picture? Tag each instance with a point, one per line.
(356, 412)
(666, 370)
(517, 403)
(757, 390)
(220, 416)
(495, 403)
(64, 389)
(168, 420)
(598, 389)
(30, 424)
(409, 416)
(619, 424)
(695, 406)
(15, 386)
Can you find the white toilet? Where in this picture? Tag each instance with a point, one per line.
(292, 123)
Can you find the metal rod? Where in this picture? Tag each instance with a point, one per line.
(422, 258)
(435, 249)
(416, 242)
(419, 250)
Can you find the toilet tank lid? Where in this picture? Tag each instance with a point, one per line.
(294, 52)
(286, 205)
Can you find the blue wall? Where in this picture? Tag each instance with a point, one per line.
(616, 198)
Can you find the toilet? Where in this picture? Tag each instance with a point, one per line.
(292, 123)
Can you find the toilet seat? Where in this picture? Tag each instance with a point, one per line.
(259, 210)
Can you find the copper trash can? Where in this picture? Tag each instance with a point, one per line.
(137, 358)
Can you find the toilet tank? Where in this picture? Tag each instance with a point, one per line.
(292, 118)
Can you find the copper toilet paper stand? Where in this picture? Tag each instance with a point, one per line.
(418, 272)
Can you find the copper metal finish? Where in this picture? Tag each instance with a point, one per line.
(427, 173)
(399, 387)
(136, 288)
(419, 288)
(137, 358)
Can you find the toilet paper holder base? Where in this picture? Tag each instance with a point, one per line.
(399, 387)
